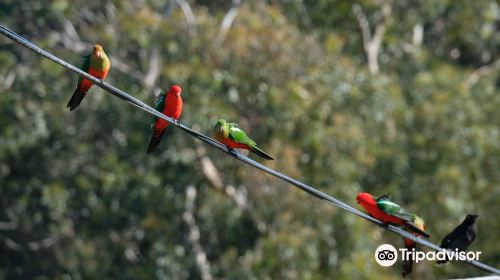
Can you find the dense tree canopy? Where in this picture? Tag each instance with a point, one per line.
(396, 97)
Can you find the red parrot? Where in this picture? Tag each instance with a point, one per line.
(388, 212)
(384, 209)
(170, 104)
(96, 64)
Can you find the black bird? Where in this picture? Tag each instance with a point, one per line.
(461, 237)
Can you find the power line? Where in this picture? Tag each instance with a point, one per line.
(321, 195)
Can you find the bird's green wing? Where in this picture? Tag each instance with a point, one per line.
(85, 66)
(393, 209)
(160, 105)
(238, 135)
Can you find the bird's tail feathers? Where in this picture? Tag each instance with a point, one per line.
(77, 98)
(408, 263)
(155, 140)
(261, 153)
(411, 226)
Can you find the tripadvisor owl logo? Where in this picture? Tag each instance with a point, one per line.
(387, 255)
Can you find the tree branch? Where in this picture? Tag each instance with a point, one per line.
(8, 225)
(418, 35)
(8, 80)
(194, 235)
(71, 39)
(151, 76)
(304, 16)
(416, 39)
(189, 15)
(31, 245)
(213, 176)
(482, 71)
(371, 45)
(227, 21)
(363, 25)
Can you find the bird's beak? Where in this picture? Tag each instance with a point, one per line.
(98, 54)
(177, 94)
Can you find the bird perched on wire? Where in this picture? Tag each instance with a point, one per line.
(233, 137)
(96, 64)
(384, 209)
(170, 104)
(461, 237)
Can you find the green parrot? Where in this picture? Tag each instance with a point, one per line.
(232, 136)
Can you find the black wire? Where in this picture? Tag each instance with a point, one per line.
(321, 195)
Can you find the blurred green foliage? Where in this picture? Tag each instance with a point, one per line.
(80, 199)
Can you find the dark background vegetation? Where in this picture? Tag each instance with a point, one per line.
(397, 97)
